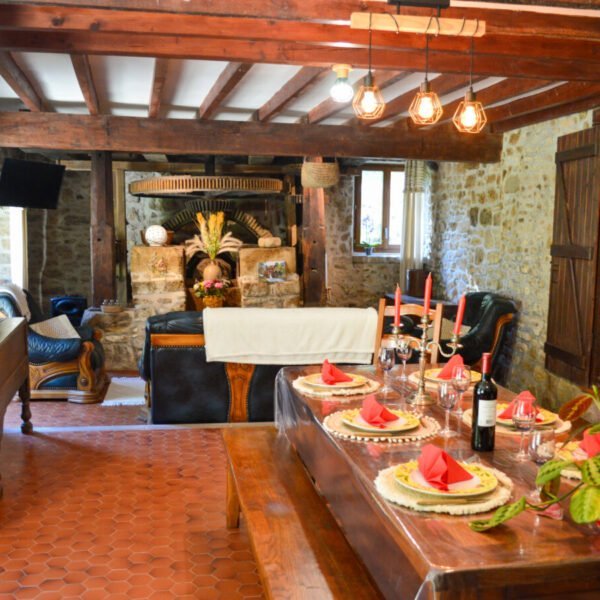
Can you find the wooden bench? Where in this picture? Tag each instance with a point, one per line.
(300, 550)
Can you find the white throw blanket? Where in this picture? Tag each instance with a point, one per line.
(18, 295)
(57, 327)
(290, 336)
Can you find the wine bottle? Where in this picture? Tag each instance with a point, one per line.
(483, 425)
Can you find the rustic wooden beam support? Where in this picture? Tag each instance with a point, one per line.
(329, 107)
(83, 72)
(531, 58)
(158, 83)
(292, 89)
(226, 82)
(176, 136)
(313, 244)
(102, 229)
(19, 83)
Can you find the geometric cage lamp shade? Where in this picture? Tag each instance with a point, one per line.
(469, 116)
(426, 108)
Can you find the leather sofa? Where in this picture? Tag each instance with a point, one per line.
(184, 388)
(61, 368)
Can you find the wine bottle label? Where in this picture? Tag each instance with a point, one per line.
(486, 414)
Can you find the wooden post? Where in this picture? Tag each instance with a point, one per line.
(102, 228)
(313, 245)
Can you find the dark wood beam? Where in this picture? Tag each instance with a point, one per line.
(546, 114)
(175, 136)
(444, 84)
(83, 72)
(560, 95)
(329, 106)
(20, 84)
(545, 66)
(102, 232)
(188, 18)
(226, 82)
(291, 90)
(158, 83)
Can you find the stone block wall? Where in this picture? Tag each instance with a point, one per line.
(493, 229)
(352, 280)
(284, 294)
(4, 243)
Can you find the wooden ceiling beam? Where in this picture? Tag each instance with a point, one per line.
(223, 86)
(130, 134)
(149, 16)
(547, 114)
(158, 83)
(20, 84)
(549, 66)
(291, 90)
(329, 106)
(83, 72)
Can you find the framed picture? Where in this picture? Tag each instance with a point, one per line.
(272, 271)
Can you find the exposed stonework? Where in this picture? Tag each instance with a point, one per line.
(493, 227)
(4, 243)
(352, 280)
(59, 243)
(284, 294)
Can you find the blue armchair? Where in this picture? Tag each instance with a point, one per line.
(61, 368)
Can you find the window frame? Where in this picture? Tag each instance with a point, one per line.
(385, 247)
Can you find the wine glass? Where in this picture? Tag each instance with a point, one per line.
(404, 351)
(461, 380)
(448, 397)
(386, 362)
(523, 418)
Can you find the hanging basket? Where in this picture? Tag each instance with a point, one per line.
(320, 174)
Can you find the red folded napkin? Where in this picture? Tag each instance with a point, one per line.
(507, 413)
(439, 469)
(590, 443)
(376, 414)
(455, 361)
(331, 375)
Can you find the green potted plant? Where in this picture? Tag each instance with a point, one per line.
(368, 247)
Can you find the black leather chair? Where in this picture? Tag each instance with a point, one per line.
(491, 318)
(61, 368)
(184, 388)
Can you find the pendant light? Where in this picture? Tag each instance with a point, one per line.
(426, 108)
(341, 90)
(470, 116)
(368, 102)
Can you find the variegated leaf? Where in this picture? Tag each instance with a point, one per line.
(503, 514)
(590, 471)
(585, 505)
(573, 409)
(551, 470)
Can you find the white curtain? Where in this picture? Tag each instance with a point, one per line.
(417, 217)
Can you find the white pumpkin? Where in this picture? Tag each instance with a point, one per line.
(156, 235)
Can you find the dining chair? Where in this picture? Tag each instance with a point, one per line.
(411, 310)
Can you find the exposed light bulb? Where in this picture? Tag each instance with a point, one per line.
(369, 102)
(341, 90)
(468, 117)
(425, 109)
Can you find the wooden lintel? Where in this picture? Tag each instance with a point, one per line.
(174, 136)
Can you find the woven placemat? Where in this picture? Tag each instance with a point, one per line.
(387, 486)
(334, 424)
(566, 453)
(559, 425)
(368, 388)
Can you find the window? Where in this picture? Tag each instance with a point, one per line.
(379, 209)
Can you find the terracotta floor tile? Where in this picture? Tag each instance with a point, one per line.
(96, 514)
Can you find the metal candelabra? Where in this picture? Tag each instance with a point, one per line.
(421, 397)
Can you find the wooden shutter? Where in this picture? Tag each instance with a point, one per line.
(573, 282)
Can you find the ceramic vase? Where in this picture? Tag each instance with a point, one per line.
(212, 271)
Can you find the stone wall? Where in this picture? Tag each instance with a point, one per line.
(352, 280)
(59, 243)
(493, 229)
(4, 243)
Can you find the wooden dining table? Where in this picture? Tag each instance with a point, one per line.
(427, 555)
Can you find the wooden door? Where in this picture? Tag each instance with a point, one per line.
(573, 284)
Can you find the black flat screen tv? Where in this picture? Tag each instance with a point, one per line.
(30, 184)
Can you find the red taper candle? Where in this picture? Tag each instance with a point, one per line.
(427, 300)
(397, 303)
(460, 313)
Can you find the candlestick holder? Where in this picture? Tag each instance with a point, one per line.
(421, 397)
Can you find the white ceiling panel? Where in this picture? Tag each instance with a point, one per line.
(180, 113)
(260, 84)
(123, 81)
(5, 90)
(52, 74)
(234, 115)
(189, 81)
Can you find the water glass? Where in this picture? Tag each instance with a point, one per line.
(461, 380)
(448, 398)
(524, 420)
(404, 351)
(386, 362)
(542, 445)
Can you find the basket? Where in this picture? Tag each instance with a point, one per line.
(320, 174)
